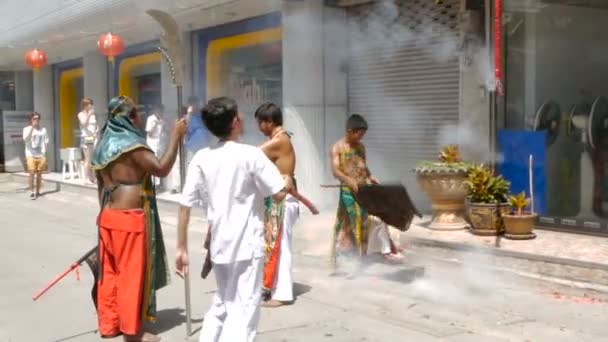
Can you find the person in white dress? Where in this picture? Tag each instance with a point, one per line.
(155, 125)
(88, 135)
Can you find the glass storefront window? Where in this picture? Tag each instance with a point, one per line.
(557, 80)
(252, 75)
(7, 102)
(7, 90)
(149, 94)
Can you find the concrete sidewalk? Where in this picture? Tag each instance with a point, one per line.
(551, 246)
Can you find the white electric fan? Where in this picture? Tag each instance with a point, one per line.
(583, 123)
(597, 131)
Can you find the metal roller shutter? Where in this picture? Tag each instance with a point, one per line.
(404, 79)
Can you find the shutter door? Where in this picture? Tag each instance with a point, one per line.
(404, 79)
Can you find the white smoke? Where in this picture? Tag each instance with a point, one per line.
(468, 137)
(308, 172)
(382, 36)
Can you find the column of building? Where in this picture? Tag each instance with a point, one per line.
(314, 89)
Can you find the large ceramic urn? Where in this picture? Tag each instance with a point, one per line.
(445, 188)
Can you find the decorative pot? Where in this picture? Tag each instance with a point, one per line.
(486, 219)
(519, 227)
(447, 193)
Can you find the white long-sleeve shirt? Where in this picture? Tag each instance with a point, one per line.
(154, 127)
(232, 180)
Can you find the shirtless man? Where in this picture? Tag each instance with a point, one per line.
(130, 272)
(353, 225)
(280, 216)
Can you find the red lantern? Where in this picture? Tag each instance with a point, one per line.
(110, 45)
(36, 59)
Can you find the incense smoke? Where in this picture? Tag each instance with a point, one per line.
(384, 37)
(373, 37)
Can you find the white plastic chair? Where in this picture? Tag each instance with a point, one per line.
(71, 163)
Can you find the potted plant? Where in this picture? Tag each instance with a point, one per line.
(519, 224)
(487, 200)
(443, 182)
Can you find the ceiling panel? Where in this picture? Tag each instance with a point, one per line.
(66, 29)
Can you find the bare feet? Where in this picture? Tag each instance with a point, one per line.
(274, 303)
(392, 257)
(144, 337)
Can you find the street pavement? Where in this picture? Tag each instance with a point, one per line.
(436, 295)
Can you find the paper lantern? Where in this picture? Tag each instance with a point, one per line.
(110, 45)
(36, 59)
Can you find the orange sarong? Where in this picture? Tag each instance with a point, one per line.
(122, 254)
(273, 231)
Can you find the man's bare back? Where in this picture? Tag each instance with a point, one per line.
(125, 177)
(126, 173)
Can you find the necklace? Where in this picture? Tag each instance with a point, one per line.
(279, 131)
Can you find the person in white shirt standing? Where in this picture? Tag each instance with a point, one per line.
(232, 180)
(36, 140)
(154, 130)
(88, 135)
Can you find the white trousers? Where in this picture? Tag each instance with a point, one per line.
(235, 311)
(379, 240)
(154, 145)
(283, 287)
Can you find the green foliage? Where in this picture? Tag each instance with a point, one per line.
(485, 187)
(450, 154)
(519, 202)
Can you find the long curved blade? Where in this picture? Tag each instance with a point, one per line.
(171, 44)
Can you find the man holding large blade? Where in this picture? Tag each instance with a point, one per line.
(173, 51)
(131, 254)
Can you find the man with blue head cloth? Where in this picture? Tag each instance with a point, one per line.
(131, 254)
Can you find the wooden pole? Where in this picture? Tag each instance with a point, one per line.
(530, 168)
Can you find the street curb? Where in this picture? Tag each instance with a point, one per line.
(579, 284)
(505, 253)
(78, 188)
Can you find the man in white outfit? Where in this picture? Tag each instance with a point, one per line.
(154, 130)
(232, 179)
(280, 217)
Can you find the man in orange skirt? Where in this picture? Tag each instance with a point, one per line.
(131, 254)
(123, 250)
